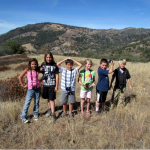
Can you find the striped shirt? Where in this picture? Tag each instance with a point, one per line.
(68, 78)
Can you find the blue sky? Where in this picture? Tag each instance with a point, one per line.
(95, 14)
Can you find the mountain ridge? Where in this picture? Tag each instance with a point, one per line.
(80, 41)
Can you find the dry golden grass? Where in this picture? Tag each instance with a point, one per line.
(117, 129)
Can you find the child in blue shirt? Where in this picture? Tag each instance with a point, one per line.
(103, 82)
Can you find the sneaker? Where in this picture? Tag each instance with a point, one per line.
(71, 116)
(35, 118)
(25, 121)
(105, 108)
(63, 114)
(52, 119)
(48, 113)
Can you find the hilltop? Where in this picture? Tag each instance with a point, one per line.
(130, 43)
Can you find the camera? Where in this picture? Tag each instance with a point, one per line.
(110, 61)
(121, 86)
(68, 88)
(34, 87)
(87, 85)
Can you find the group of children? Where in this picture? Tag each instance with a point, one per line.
(86, 79)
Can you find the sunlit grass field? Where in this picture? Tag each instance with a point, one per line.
(116, 129)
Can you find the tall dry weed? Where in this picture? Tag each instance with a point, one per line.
(126, 128)
(9, 114)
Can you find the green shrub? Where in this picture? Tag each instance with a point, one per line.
(12, 47)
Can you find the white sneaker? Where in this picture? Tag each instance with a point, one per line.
(25, 121)
(35, 118)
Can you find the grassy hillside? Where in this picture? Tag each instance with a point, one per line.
(117, 129)
(76, 41)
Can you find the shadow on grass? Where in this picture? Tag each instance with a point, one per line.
(128, 99)
(76, 107)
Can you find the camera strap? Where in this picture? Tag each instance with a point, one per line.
(84, 74)
(32, 78)
(66, 78)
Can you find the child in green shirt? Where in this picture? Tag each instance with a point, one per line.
(86, 80)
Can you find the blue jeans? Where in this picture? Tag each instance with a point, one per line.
(30, 94)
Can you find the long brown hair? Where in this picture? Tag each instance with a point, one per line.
(51, 55)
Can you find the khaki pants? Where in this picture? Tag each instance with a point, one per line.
(118, 96)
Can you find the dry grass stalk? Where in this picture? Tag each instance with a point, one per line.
(116, 129)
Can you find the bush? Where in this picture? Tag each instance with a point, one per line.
(11, 90)
(4, 68)
(13, 47)
(5, 51)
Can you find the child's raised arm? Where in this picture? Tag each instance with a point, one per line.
(59, 63)
(111, 67)
(21, 76)
(79, 64)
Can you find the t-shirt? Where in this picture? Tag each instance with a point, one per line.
(32, 77)
(68, 78)
(49, 74)
(121, 77)
(87, 77)
(103, 80)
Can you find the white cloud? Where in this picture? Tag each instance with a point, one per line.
(6, 26)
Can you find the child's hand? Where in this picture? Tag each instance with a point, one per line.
(41, 81)
(90, 86)
(84, 86)
(56, 89)
(131, 87)
(41, 68)
(112, 62)
(25, 86)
